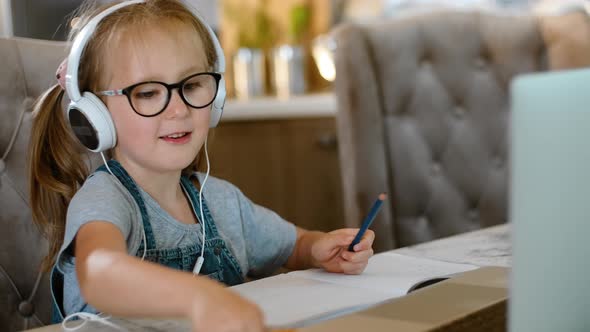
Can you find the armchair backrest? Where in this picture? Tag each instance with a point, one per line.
(423, 112)
(27, 69)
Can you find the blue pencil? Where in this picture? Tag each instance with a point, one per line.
(368, 220)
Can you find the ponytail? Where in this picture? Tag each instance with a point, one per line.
(56, 169)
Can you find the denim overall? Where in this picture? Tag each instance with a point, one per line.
(220, 264)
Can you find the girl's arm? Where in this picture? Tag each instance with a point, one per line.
(301, 257)
(123, 285)
(315, 249)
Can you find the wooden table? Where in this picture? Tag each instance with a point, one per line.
(487, 247)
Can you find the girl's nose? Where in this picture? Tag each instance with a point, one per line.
(176, 107)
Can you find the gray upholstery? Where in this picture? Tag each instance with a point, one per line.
(27, 68)
(423, 114)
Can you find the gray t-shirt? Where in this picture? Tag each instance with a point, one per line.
(260, 240)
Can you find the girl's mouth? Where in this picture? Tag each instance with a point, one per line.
(177, 138)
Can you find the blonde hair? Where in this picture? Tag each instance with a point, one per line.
(56, 165)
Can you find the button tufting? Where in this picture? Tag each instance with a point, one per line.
(422, 220)
(473, 215)
(498, 162)
(26, 308)
(459, 111)
(481, 63)
(435, 168)
(425, 60)
(217, 250)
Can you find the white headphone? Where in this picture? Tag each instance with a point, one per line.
(91, 121)
(89, 117)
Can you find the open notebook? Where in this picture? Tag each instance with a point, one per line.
(302, 298)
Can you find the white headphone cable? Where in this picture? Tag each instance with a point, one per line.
(106, 164)
(201, 259)
(86, 316)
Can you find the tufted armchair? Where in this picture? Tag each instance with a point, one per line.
(423, 114)
(28, 67)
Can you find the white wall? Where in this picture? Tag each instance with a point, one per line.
(5, 19)
(209, 9)
(45, 19)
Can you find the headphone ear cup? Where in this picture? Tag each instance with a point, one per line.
(218, 103)
(91, 123)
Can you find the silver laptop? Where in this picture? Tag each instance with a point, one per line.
(550, 202)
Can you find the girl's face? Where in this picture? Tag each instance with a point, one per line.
(169, 141)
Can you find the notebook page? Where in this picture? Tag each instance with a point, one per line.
(289, 301)
(300, 298)
(389, 273)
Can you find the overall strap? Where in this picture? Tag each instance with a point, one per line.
(127, 181)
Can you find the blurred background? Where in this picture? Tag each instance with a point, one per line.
(274, 48)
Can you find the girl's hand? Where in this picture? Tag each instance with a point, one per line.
(225, 311)
(330, 251)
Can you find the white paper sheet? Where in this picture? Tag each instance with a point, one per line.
(303, 297)
(487, 247)
(290, 301)
(389, 273)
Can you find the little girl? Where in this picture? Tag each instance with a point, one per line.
(145, 234)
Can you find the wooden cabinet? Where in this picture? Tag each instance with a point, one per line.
(288, 165)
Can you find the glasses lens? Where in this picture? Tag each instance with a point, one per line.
(149, 98)
(200, 90)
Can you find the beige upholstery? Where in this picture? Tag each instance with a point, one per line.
(424, 109)
(27, 68)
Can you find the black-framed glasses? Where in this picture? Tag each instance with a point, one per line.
(151, 98)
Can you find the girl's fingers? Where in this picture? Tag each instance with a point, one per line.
(357, 257)
(366, 242)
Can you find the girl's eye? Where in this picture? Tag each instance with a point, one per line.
(146, 94)
(192, 86)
